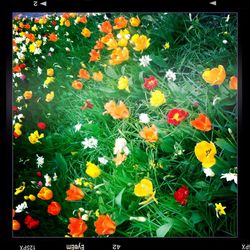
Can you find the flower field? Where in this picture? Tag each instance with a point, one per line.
(125, 125)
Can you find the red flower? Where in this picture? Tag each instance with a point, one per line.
(53, 23)
(176, 116)
(87, 105)
(15, 109)
(22, 65)
(54, 208)
(39, 174)
(150, 83)
(30, 222)
(181, 195)
(41, 125)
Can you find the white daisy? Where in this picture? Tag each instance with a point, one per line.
(39, 161)
(145, 61)
(144, 118)
(170, 75)
(90, 142)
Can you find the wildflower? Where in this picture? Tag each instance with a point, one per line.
(77, 85)
(50, 72)
(143, 118)
(74, 193)
(84, 74)
(215, 76)
(140, 42)
(166, 45)
(106, 27)
(176, 116)
(119, 55)
(53, 37)
(170, 75)
(31, 222)
(181, 195)
(219, 209)
(117, 111)
(157, 98)
(102, 160)
(150, 83)
(27, 95)
(39, 161)
(47, 180)
(16, 225)
(208, 172)
(20, 189)
(120, 22)
(135, 21)
(230, 177)
(77, 227)
(86, 32)
(34, 137)
(202, 123)
(90, 142)
(104, 225)
(145, 61)
(54, 208)
(233, 83)
(78, 127)
(41, 125)
(45, 194)
(94, 55)
(21, 207)
(205, 152)
(50, 96)
(123, 83)
(97, 76)
(92, 170)
(149, 134)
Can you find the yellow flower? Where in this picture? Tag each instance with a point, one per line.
(112, 44)
(123, 83)
(119, 55)
(140, 42)
(42, 21)
(49, 80)
(135, 21)
(34, 137)
(97, 213)
(123, 37)
(215, 76)
(30, 197)
(50, 96)
(92, 170)
(32, 48)
(219, 209)
(78, 181)
(50, 72)
(20, 189)
(39, 43)
(157, 98)
(205, 152)
(88, 184)
(86, 32)
(34, 28)
(166, 45)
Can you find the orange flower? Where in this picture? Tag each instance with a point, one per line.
(82, 19)
(94, 55)
(119, 55)
(106, 38)
(149, 134)
(97, 76)
(215, 76)
(50, 96)
(233, 83)
(77, 227)
(135, 21)
(53, 37)
(120, 22)
(16, 69)
(117, 111)
(99, 45)
(74, 193)
(54, 208)
(106, 27)
(104, 225)
(119, 159)
(202, 123)
(30, 36)
(15, 225)
(66, 15)
(83, 73)
(86, 32)
(67, 23)
(45, 194)
(27, 95)
(77, 85)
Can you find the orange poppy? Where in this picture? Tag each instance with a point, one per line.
(106, 27)
(202, 123)
(53, 37)
(77, 227)
(215, 76)
(233, 83)
(120, 22)
(119, 55)
(94, 55)
(104, 225)
(119, 159)
(45, 194)
(54, 208)
(83, 73)
(74, 193)
(117, 111)
(149, 134)
(15, 225)
(77, 85)
(99, 45)
(27, 95)
(98, 76)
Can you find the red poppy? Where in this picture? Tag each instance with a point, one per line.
(30, 222)
(54, 208)
(176, 116)
(150, 83)
(181, 195)
(41, 125)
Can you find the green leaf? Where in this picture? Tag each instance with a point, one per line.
(203, 196)
(102, 207)
(196, 217)
(234, 188)
(164, 229)
(167, 145)
(111, 73)
(118, 198)
(60, 161)
(159, 61)
(200, 184)
(225, 145)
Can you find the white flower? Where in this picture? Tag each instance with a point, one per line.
(139, 218)
(77, 126)
(208, 172)
(145, 61)
(144, 118)
(39, 161)
(39, 70)
(19, 117)
(121, 146)
(21, 207)
(47, 180)
(227, 18)
(67, 34)
(37, 51)
(170, 75)
(90, 143)
(57, 18)
(19, 98)
(67, 49)
(20, 55)
(56, 27)
(85, 217)
(225, 41)
(230, 177)
(54, 177)
(23, 48)
(39, 36)
(51, 49)
(103, 160)
(44, 40)
(216, 98)
(16, 60)
(105, 17)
